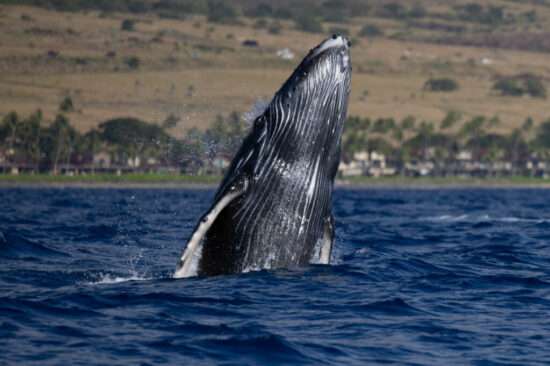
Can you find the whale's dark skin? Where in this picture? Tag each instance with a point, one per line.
(273, 208)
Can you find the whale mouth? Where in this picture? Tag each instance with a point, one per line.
(337, 44)
(327, 64)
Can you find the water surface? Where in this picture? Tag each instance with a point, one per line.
(420, 277)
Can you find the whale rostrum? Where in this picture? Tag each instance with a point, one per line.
(273, 208)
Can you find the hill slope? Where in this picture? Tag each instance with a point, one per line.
(181, 63)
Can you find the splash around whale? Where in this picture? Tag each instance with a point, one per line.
(273, 209)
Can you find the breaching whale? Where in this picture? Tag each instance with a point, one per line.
(273, 208)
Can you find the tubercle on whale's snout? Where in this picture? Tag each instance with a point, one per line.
(336, 41)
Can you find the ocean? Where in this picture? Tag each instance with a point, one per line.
(419, 277)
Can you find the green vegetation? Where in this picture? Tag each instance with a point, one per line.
(163, 180)
(441, 85)
(135, 147)
(370, 30)
(128, 25)
(475, 18)
(407, 140)
(109, 178)
(220, 11)
(441, 182)
(133, 62)
(399, 11)
(309, 23)
(520, 85)
(489, 15)
(127, 144)
(66, 105)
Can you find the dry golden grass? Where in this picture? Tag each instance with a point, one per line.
(173, 59)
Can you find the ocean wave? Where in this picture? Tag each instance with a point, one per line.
(14, 244)
(483, 218)
(446, 277)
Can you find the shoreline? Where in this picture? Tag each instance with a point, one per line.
(159, 181)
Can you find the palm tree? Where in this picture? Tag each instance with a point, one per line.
(90, 144)
(517, 147)
(542, 141)
(60, 142)
(450, 120)
(472, 131)
(425, 131)
(11, 122)
(29, 134)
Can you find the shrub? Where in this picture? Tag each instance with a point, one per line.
(441, 85)
(133, 62)
(260, 24)
(66, 104)
(394, 10)
(535, 88)
(519, 85)
(261, 10)
(509, 87)
(309, 23)
(221, 12)
(418, 11)
(370, 30)
(128, 25)
(275, 27)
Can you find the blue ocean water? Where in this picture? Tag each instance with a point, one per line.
(420, 277)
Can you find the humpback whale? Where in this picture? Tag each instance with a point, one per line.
(273, 209)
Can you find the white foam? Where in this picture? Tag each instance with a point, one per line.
(107, 279)
(482, 218)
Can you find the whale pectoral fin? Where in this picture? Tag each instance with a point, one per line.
(328, 238)
(188, 263)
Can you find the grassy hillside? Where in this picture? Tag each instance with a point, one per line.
(185, 65)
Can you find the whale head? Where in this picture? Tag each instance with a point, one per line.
(320, 82)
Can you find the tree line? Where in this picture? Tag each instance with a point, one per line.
(417, 140)
(47, 146)
(38, 145)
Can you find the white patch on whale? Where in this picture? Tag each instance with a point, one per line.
(193, 253)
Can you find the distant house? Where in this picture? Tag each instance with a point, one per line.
(366, 163)
(351, 169)
(464, 155)
(419, 168)
(250, 43)
(102, 159)
(535, 165)
(501, 168)
(378, 166)
(134, 162)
